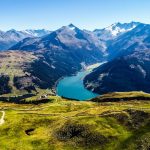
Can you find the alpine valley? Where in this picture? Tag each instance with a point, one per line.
(41, 57)
(113, 63)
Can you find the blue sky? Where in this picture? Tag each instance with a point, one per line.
(87, 14)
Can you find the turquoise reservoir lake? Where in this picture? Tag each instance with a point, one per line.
(72, 87)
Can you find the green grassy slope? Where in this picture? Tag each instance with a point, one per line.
(66, 125)
(122, 96)
(12, 65)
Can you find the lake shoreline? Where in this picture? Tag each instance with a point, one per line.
(72, 87)
(86, 67)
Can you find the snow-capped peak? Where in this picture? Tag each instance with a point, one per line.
(118, 28)
(115, 30)
(36, 33)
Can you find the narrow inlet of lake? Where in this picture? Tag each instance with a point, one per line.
(72, 87)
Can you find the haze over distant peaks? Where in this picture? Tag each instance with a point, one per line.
(11, 37)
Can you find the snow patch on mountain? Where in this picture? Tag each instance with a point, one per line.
(37, 33)
(115, 30)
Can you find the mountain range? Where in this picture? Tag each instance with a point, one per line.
(11, 37)
(33, 117)
(43, 57)
(128, 64)
(114, 30)
(61, 53)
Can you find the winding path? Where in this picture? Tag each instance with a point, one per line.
(2, 118)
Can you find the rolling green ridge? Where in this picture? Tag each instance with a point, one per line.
(62, 124)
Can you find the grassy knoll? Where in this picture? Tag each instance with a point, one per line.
(122, 96)
(66, 125)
